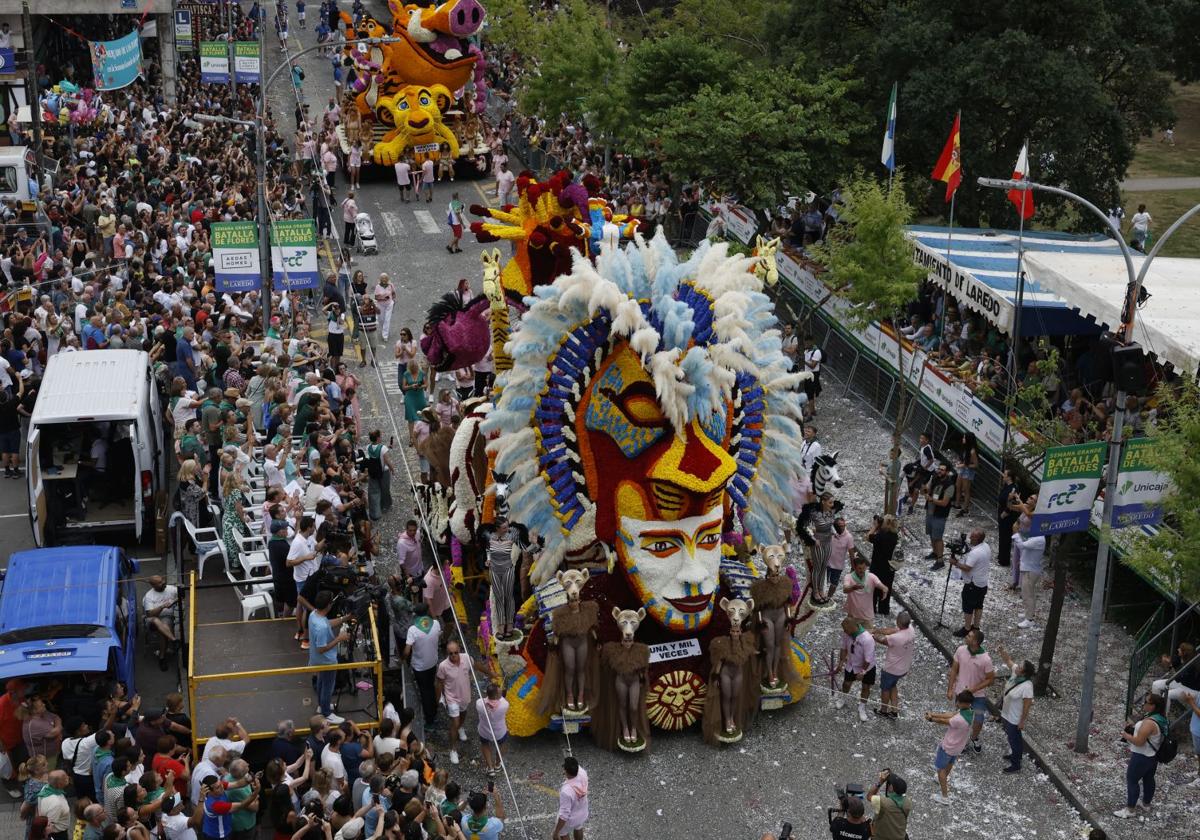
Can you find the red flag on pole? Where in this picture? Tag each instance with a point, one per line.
(1022, 199)
(949, 165)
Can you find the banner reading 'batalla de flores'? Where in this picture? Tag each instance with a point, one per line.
(1140, 486)
(1070, 480)
(235, 256)
(214, 62)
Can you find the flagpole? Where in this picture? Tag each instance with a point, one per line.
(1014, 352)
(949, 270)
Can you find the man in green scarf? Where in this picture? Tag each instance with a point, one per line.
(958, 729)
(52, 804)
(892, 807)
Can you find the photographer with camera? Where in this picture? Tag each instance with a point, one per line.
(891, 806)
(848, 821)
(939, 495)
(975, 568)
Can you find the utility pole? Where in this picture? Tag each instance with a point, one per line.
(229, 48)
(260, 139)
(35, 95)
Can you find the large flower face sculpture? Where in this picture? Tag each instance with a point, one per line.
(649, 402)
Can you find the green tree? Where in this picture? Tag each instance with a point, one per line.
(664, 72)
(512, 24)
(1080, 79)
(870, 264)
(580, 71)
(759, 135)
(1173, 553)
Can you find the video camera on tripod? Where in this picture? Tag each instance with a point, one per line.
(959, 547)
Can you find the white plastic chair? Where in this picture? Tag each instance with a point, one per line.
(208, 544)
(255, 601)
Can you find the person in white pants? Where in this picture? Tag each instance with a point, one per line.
(385, 299)
(1033, 550)
(1186, 680)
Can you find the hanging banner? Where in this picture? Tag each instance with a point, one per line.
(247, 63)
(116, 64)
(1070, 480)
(294, 254)
(1140, 487)
(235, 256)
(183, 30)
(741, 222)
(214, 62)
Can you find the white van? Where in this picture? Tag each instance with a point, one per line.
(95, 452)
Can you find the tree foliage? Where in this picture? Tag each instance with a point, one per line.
(1080, 79)
(579, 70)
(870, 264)
(868, 257)
(1173, 553)
(761, 136)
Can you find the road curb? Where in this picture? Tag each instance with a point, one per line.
(1057, 777)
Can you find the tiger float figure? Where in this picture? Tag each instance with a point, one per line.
(648, 411)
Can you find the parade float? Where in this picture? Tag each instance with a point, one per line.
(642, 434)
(417, 91)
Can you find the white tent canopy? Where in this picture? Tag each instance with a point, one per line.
(1167, 325)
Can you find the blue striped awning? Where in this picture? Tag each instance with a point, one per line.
(979, 268)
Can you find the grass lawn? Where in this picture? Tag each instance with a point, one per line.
(1156, 159)
(1165, 208)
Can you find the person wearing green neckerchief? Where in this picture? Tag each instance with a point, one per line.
(958, 729)
(857, 663)
(1018, 700)
(52, 804)
(477, 825)
(971, 670)
(892, 807)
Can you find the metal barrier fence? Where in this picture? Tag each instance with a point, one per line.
(878, 388)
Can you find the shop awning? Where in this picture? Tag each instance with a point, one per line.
(978, 266)
(1095, 284)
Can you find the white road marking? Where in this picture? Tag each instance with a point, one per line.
(13, 515)
(391, 386)
(531, 818)
(425, 220)
(393, 223)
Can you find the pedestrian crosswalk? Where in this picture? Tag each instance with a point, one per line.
(390, 371)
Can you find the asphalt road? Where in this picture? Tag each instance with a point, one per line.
(786, 767)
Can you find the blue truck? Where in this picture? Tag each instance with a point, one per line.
(69, 610)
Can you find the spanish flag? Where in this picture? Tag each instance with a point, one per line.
(949, 165)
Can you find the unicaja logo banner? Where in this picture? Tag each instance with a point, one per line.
(1140, 487)
(1070, 481)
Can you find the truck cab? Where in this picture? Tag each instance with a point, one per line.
(69, 611)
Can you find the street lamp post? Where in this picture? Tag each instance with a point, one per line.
(260, 172)
(1124, 335)
(260, 163)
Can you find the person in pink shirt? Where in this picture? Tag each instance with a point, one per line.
(971, 670)
(860, 587)
(958, 726)
(857, 663)
(408, 550)
(572, 801)
(840, 543)
(900, 642)
(452, 684)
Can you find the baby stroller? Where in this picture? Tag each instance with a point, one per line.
(368, 313)
(366, 234)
